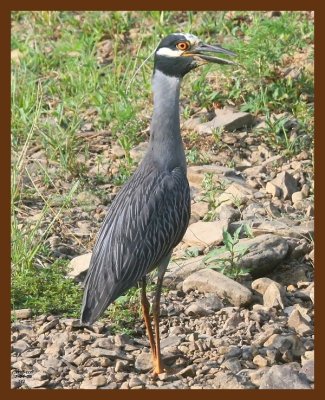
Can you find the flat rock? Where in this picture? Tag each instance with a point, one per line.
(20, 346)
(236, 192)
(78, 267)
(205, 233)
(172, 340)
(284, 342)
(226, 119)
(308, 370)
(210, 281)
(284, 377)
(143, 362)
(227, 380)
(263, 254)
(178, 270)
(205, 306)
(35, 383)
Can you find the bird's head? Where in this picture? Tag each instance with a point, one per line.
(179, 53)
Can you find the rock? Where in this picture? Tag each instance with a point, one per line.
(188, 371)
(177, 271)
(48, 326)
(135, 382)
(35, 383)
(232, 364)
(209, 281)
(308, 370)
(196, 173)
(81, 359)
(20, 346)
(236, 192)
(284, 342)
(274, 190)
(298, 323)
(200, 208)
(287, 184)
(226, 119)
(143, 362)
(205, 233)
(260, 361)
(105, 343)
(86, 384)
(261, 284)
(172, 340)
(226, 380)
(23, 313)
(297, 196)
(255, 171)
(78, 267)
(120, 366)
(99, 380)
(228, 213)
(284, 377)
(205, 306)
(32, 353)
(138, 152)
(263, 254)
(282, 229)
(112, 354)
(274, 296)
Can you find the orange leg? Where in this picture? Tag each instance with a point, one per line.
(158, 365)
(146, 316)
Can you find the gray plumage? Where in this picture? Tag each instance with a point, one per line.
(150, 214)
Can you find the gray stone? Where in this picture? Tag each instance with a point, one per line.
(78, 267)
(226, 119)
(172, 340)
(284, 377)
(88, 199)
(308, 370)
(210, 281)
(143, 362)
(227, 380)
(32, 353)
(284, 342)
(228, 213)
(20, 346)
(205, 306)
(264, 253)
(112, 354)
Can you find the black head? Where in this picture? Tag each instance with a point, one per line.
(179, 53)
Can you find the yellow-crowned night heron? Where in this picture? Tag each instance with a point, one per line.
(150, 214)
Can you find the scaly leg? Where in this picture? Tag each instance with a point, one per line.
(146, 316)
(158, 364)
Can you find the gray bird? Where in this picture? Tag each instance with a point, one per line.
(150, 214)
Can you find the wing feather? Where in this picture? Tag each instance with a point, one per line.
(147, 219)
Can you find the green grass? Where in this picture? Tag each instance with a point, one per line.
(60, 87)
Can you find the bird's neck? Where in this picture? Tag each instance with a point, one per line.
(165, 145)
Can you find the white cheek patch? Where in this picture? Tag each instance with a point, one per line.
(165, 51)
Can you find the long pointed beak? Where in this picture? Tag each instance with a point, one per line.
(203, 51)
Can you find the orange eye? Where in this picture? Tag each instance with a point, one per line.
(183, 46)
